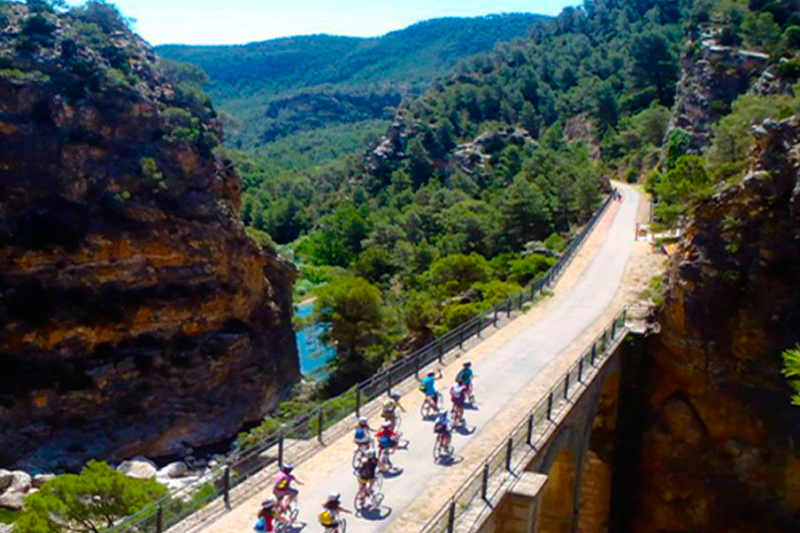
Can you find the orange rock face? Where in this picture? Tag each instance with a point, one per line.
(136, 317)
(721, 442)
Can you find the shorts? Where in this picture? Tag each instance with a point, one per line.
(366, 480)
(282, 493)
(458, 402)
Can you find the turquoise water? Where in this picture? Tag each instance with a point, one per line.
(314, 355)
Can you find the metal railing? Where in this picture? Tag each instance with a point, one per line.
(303, 437)
(481, 488)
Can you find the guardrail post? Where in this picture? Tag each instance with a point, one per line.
(594, 353)
(509, 452)
(485, 483)
(614, 329)
(508, 307)
(416, 367)
(533, 292)
(320, 422)
(441, 351)
(624, 317)
(495, 317)
(566, 387)
(389, 381)
(580, 369)
(358, 395)
(460, 338)
(226, 487)
(530, 429)
(550, 406)
(160, 519)
(280, 450)
(521, 300)
(480, 326)
(451, 517)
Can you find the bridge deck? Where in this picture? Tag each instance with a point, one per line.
(505, 365)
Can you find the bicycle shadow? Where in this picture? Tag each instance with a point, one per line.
(450, 460)
(375, 514)
(292, 528)
(465, 430)
(392, 473)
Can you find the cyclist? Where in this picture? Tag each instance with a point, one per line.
(458, 395)
(387, 442)
(362, 436)
(429, 388)
(390, 407)
(443, 430)
(466, 374)
(329, 517)
(267, 516)
(367, 471)
(283, 490)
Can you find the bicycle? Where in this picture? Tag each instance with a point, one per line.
(457, 414)
(429, 409)
(291, 512)
(340, 527)
(384, 460)
(440, 450)
(369, 498)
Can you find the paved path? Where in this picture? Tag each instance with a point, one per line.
(500, 375)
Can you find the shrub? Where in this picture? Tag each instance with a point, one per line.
(86, 502)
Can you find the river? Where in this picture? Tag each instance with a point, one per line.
(313, 353)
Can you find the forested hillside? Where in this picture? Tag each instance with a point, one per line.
(474, 189)
(275, 89)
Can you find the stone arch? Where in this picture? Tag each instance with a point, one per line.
(595, 483)
(558, 499)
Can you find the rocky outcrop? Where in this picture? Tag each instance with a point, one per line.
(712, 77)
(720, 445)
(136, 317)
(14, 486)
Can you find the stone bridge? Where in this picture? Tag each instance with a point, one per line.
(555, 470)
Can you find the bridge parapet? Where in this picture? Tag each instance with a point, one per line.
(474, 505)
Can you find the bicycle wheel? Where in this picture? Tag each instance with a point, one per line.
(358, 456)
(377, 485)
(437, 451)
(360, 501)
(292, 512)
(342, 525)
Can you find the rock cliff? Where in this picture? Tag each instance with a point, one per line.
(720, 445)
(136, 317)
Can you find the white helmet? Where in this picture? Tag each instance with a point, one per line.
(362, 420)
(370, 452)
(334, 497)
(388, 403)
(394, 395)
(269, 502)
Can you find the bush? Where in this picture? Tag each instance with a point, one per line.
(87, 502)
(456, 273)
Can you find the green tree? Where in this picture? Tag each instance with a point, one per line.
(87, 502)
(419, 164)
(677, 188)
(606, 107)
(456, 273)
(654, 65)
(354, 309)
(524, 215)
(761, 31)
(791, 369)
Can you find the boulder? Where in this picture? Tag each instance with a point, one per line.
(40, 479)
(138, 468)
(12, 499)
(174, 470)
(15, 480)
(6, 528)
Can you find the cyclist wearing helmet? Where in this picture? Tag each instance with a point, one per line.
(442, 429)
(362, 436)
(390, 407)
(429, 388)
(329, 517)
(283, 489)
(267, 516)
(367, 471)
(458, 396)
(466, 374)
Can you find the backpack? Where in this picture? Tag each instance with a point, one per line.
(422, 387)
(439, 427)
(261, 525)
(326, 518)
(360, 434)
